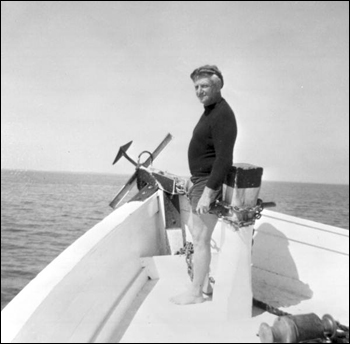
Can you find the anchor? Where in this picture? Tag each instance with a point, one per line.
(132, 181)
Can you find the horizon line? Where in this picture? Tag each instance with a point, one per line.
(128, 174)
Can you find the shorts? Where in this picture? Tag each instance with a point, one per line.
(196, 190)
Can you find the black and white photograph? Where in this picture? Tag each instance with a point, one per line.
(174, 171)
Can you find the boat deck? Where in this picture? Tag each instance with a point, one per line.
(153, 318)
(158, 320)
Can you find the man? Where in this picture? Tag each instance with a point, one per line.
(210, 158)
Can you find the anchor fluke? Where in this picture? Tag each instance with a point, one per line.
(122, 152)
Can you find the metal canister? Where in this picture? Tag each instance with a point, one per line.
(298, 328)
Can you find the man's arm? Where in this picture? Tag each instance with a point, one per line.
(224, 133)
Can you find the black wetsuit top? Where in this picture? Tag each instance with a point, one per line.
(210, 152)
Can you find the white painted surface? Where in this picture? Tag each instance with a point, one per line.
(301, 265)
(113, 328)
(71, 299)
(160, 321)
(233, 281)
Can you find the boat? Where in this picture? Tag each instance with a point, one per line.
(114, 283)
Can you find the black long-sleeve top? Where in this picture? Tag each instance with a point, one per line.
(210, 152)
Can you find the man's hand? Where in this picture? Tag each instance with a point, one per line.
(205, 200)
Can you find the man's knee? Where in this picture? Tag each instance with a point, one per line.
(201, 241)
(202, 228)
(201, 236)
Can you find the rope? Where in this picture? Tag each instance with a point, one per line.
(268, 308)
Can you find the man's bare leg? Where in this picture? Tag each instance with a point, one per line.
(201, 229)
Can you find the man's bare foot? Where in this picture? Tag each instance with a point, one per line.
(187, 298)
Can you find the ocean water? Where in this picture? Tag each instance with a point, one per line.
(42, 213)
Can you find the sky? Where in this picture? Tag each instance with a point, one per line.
(81, 78)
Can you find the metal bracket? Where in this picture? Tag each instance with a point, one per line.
(144, 193)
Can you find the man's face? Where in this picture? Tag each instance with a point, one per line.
(206, 90)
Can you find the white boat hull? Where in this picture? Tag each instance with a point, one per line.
(107, 287)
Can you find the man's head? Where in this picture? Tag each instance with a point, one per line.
(208, 82)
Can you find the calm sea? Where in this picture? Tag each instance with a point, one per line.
(42, 213)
